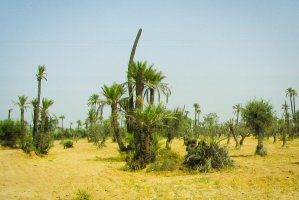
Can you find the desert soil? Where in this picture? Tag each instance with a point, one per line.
(63, 172)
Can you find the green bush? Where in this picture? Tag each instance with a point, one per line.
(68, 144)
(82, 195)
(10, 132)
(167, 160)
(207, 156)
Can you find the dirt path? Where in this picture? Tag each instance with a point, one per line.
(60, 174)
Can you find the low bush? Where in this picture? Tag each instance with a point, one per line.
(167, 160)
(207, 156)
(68, 144)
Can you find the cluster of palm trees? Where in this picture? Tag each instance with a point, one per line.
(39, 116)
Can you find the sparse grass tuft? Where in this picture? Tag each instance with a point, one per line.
(82, 195)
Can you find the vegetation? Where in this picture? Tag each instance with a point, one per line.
(258, 114)
(68, 144)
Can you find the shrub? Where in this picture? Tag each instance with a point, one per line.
(207, 156)
(167, 160)
(9, 132)
(82, 195)
(68, 144)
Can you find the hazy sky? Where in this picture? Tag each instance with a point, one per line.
(215, 53)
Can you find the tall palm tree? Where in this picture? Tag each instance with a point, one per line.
(198, 112)
(237, 108)
(289, 93)
(46, 103)
(153, 82)
(196, 107)
(22, 104)
(294, 94)
(285, 108)
(62, 117)
(39, 76)
(130, 81)
(9, 111)
(79, 123)
(114, 96)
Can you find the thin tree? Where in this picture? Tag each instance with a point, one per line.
(9, 111)
(22, 104)
(237, 108)
(46, 103)
(113, 97)
(286, 115)
(62, 117)
(39, 76)
(196, 107)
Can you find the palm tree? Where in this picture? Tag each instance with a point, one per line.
(130, 83)
(237, 108)
(196, 107)
(289, 93)
(22, 103)
(79, 123)
(62, 117)
(153, 82)
(9, 111)
(33, 103)
(39, 76)
(285, 108)
(138, 70)
(114, 96)
(46, 103)
(198, 112)
(294, 94)
(146, 122)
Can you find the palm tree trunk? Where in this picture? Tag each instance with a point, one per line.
(130, 83)
(23, 131)
(139, 90)
(35, 131)
(238, 112)
(115, 126)
(195, 118)
(152, 96)
(41, 134)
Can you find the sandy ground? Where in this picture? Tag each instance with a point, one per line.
(60, 174)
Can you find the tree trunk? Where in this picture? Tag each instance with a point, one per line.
(260, 147)
(152, 96)
(23, 130)
(35, 131)
(130, 82)
(228, 138)
(139, 90)
(235, 136)
(274, 136)
(41, 134)
(115, 126)
(195, 119)
(242, 140)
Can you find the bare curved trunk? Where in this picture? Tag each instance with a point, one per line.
(130, 82)
(235, 136)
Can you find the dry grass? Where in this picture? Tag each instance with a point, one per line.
(60, 174)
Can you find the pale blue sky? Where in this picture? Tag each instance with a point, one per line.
(215, 53)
